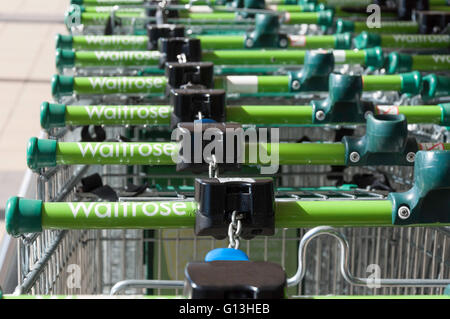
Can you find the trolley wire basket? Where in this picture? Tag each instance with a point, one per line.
(51, 261)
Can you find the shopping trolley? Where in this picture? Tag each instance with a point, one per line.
(130, 224)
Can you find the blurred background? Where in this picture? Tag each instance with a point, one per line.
(27, 62)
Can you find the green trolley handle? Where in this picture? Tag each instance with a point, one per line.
(293, 8)
(28, 216)
(128, 18)
(43, 153)
(398, 62)
(402, 41)
(208, 42)
(403, 27)
(60, 115)
(271, 84)
(140, 59)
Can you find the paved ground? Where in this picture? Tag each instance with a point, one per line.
(27, 62)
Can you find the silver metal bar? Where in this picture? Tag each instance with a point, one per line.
(39, 266)
(146, 284)
(344, 261)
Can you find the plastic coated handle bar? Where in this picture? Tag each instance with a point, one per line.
(47, 153)
(26, 215)
(208, 42)
(60, 115)
(85, 59)
(272, 84)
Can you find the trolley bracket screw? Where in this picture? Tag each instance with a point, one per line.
(410, 157)
(404, 212)
(354, 157)
(283, 43)
(320, 115)
(295, 85)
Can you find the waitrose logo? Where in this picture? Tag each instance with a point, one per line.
(116, 56)
(103, 112)
(116, 39)
(109, 150)
(441, 58)
(133, 209)
(127, 83)
(420, 38)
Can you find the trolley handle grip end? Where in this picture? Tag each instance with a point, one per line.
(41, 153)
(23, 216)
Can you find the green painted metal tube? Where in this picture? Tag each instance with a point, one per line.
(82, 59)
(292, 214)
(47, 153)
(107, 2)
(254, 57)
(404, 82)
(181, 214)
(403, 27)
(269, 115)
(211, 42)
(398, 41)
(156, 85)
(296, 153)
(420, 41)
(382, 82)
(253, 84)
(414, 114)
(302, 17)
(433, 62)
(208, 42)
(398, 62)
(59, 115)
(29, 215)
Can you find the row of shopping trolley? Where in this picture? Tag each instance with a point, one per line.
(241, 149)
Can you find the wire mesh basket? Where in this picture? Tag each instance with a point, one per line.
(51, 261)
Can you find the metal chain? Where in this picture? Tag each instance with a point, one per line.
(235, 230)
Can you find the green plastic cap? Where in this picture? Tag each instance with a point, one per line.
(23, 216)
(326, 18)
(343, 41)
(64, 42)
(367, 40)
(344, 26)
(374, 58)
(411, 82)
(435, 86)
(64, 59)
(62, 85)
(398, 62)
(445, 114)
(41, 153)
(53, 115)
(77, 2)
